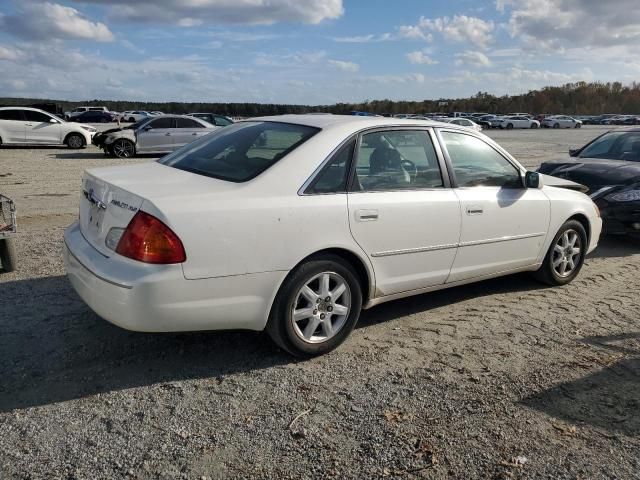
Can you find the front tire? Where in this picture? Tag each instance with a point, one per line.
(556, 125)
(534, 125)
(123, 148)
(8, 256)
(316, 308)
(510, 126)
(578, 125)
(132, 120)
(75, 140)
(565, 256)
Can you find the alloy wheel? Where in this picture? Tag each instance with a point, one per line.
(321, 307)
(123, 149)
(74, 141)
(566, 253)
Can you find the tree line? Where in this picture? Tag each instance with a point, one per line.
(572, 98)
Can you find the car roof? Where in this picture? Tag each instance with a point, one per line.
(325, 121)
(23, 108)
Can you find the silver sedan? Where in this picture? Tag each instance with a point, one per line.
(161, 134)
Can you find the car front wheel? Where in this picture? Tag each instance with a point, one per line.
(123, 148)
(75, 140)
(565, 256)
(316, 308)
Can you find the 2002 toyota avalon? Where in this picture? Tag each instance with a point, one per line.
(293, 224)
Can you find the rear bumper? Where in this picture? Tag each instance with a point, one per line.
(157, 298)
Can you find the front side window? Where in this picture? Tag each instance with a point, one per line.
(11, 115)
(161, 123)
(37, 117)
(475, 163)
(333, 178)
(397, 160)
(240, 151)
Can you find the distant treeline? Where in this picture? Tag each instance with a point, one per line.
(572, 98)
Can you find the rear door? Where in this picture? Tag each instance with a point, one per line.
(12, 126)
(40, 129)
(156, 135)
(187, 130)
(504, 224)
(402, 211)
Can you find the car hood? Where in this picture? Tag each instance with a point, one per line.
(593, 172)
(121, 133)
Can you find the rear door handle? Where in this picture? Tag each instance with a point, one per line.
(366, 215)
(167, 134)
(194, 133)
(474, 210)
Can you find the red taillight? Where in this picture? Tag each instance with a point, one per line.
(148, 240)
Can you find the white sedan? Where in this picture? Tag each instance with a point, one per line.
(32, 126)
(295, 223)
(518, 122)
(561, 121)
(463, 122)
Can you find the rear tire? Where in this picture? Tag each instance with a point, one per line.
(132, 120)
(8, 256)
(75, 141)
(510, 126)
(556, 125)
(563, 262)
(304, 318)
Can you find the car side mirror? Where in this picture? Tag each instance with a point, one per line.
(146, 129)
(532, 180)
(53, 120)
(573, 152)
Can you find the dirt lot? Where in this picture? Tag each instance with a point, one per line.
(502, 379)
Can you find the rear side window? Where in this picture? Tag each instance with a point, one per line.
(333, 178)
(161, 123)
(11, 115)
(240, 151)
(222, 122)
(188, 123)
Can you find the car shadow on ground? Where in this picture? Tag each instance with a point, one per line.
(607, 399)
(612, 246)
(53, 348)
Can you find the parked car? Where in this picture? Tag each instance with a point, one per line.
(95, 117)
(610, 167)
(295, 223)
(155, 113)
(31, 126)
(518, 122)
(464, 122)
(80, 110)
(490, 121)
(213, 119)
(159, 134)
(561, 121)
(134, 116)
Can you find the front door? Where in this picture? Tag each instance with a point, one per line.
(402, 212)
(12, 125)
(42, 128)
(504, 224)
(156, 136)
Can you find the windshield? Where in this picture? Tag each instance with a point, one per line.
(614, 146)
(241, 151)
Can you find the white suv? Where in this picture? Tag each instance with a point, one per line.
(80, 110)
(31, 126)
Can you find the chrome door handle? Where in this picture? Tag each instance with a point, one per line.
(474, 210)
(366, 215)
(167, 134)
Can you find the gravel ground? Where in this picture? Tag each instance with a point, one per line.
(502, 379)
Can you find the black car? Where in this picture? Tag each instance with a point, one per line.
(610, 167)
(94, 117)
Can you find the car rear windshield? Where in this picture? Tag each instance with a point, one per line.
(241, 151)
(614, 146)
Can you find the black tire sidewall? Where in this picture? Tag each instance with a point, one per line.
(550, 273)
(280, 325)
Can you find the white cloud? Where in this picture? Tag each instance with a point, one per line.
(420, 58)
(460, 28)
(391, 79)
(195, 12)
(570, 23)
(9, 53)
(48, 21)
(345, 66)
(473, 58)
(385, 37)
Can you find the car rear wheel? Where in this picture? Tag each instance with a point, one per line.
(565, 256)
(534, 125)
(556, 125)
(75, 140)
(509, 126)
(7, 255)
(123, 148)
(316, 308)
(132, 120)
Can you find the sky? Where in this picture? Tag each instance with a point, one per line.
(311, 51)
